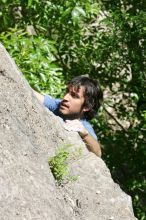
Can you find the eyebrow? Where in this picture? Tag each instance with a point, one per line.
(74, 89)
(75, 93)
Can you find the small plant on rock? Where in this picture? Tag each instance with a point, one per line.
(59, 167)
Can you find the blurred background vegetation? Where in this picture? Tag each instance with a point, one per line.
(53, 41)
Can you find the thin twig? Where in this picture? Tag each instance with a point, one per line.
(112, 116)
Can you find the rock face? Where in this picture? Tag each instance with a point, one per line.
(29, 136)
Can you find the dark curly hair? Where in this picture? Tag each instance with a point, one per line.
(93, 94)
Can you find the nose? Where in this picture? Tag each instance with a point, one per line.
(66, 97)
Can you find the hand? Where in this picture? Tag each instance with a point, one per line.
(91, 143)
(76, 125)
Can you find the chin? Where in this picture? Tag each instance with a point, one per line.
(68, 116)
(63, 112)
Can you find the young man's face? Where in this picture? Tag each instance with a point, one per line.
(72, 105)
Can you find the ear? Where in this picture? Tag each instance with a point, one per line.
(86, 109)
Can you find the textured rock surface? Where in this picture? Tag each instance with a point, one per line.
(29, 135)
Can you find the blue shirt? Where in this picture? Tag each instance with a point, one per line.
(53, 105)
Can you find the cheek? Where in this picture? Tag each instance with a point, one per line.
(79, 105)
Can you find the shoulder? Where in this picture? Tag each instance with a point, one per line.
(51, 103)
(89, 128)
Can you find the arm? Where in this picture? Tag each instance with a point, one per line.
(91, 143)
(39, 96)
(49, 102)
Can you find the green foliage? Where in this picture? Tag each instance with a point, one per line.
(59, 164)
(35, 56)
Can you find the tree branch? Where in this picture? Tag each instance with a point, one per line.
(113, 117)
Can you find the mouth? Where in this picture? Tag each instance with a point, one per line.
(63, 105)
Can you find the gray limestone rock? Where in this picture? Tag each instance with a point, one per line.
(29, 135)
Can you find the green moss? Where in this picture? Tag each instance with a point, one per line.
(59, 164)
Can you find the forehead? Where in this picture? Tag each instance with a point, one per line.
(77, 89)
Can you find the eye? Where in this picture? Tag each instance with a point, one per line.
(74, 95)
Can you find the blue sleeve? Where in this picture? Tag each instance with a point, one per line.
(91, 131)
(89, 128)
(51, 103)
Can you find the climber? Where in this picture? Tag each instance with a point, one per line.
(80, 103)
